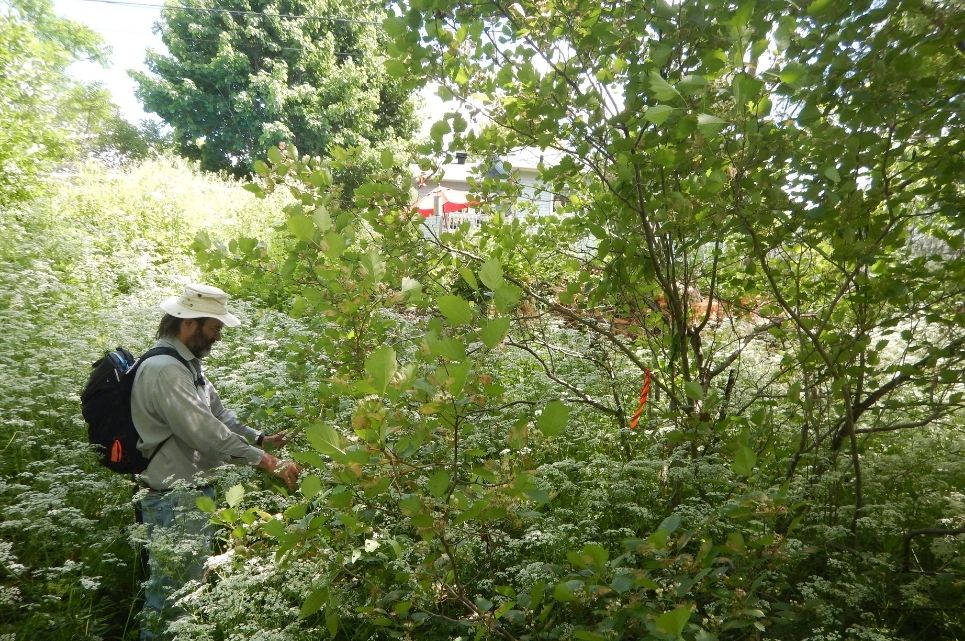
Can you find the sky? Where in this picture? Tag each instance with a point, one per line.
(127, 28)
(128, 31)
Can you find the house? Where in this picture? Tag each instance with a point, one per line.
(522, 167)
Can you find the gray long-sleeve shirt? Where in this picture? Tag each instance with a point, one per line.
(203, 433)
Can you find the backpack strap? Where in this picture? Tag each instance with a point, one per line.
(169, 351)
(162, 351)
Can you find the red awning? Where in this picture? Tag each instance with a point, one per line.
(450, 200)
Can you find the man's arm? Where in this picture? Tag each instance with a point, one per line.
(229, 418)
(192, 422)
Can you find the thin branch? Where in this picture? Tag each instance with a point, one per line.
(928, 531)
(582, 396)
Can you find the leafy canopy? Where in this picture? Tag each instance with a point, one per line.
(42, 110)
(241, 76)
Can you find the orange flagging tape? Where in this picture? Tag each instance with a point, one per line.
(644, 393)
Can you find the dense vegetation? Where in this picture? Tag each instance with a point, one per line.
(773, 249)
(240, 76)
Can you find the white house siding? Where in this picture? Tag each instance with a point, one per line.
(533, 201)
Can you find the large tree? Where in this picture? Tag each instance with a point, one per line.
(39, 102)
(242, 75)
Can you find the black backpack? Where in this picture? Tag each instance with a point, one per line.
(106, 406)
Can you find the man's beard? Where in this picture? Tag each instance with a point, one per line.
(199, 344)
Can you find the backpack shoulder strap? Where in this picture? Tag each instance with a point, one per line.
(163, 351)
(168, 351)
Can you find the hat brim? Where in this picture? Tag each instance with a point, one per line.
(173, 307)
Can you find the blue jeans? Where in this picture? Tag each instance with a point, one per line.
(179, 542)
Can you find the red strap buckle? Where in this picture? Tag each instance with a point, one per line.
(117, 452)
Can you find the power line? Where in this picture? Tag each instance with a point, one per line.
(234, 12)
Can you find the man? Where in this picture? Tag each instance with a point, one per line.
(186, 431)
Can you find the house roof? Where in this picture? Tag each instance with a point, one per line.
(526, 161)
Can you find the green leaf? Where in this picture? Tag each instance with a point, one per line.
(333, 244)
(494, 331)
(309, 458)
(507, 297)
(735, 542)
(670, 524)
(274, 528)
(275, 156)
(564, 591)
(301, 226)
(785, 29)
(658, 114)
(744, 461)
(660, 88)
(621, 583)
(808, 114)
(596, 554)
(518, 433)
(710, 125)
(673, 622)
(381, 366)
(658, 539)
(693, 390)
(552, 420)
(439, 129)
(450, 348)
(323, 220)
(296, 512)
(310, 487)
(313, 602)
(491, 274)
(469, 277)
(374, 265)
(439, 483)
(321, 178)
(818, 6)
(411, 505)
(331, 621)
(325, 439)
(395, 26)
(746, 88)
(410, 286)
(456, 309)
(832, 174)
(692, 84)
(396, 68)
(205, 504)
(456, 376)
(792, 73)
(743, 14)
(387, 158)
(234, 495)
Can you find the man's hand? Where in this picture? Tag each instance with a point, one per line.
(286, 471)
(275, 440)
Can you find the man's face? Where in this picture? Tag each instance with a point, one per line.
(205, 333)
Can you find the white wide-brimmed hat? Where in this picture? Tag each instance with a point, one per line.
(201, 301)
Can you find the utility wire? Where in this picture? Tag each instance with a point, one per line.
(234, 12)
